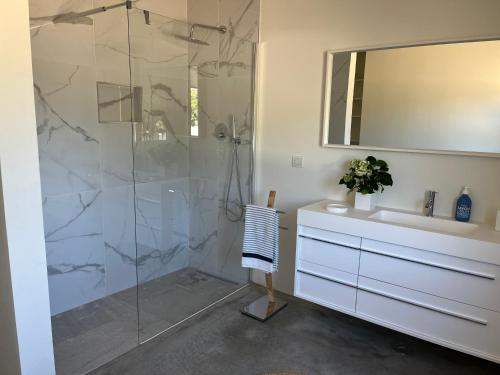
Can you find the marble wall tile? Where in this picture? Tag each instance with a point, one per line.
(242, 18)
(119, 238)
(159, 160)
(203, 11)
(162, 227)
(165, 107)
(160, 42)
(175, 9)
(206, 156)
(236, 57)
(204, 57)
(68, 141)
(116, 155)
(71, 44)
(111, 46)
(43, 11)
(223, 93)
(159, 67)
(209, 104)
(203, 227)
(75, 252)
(68, 136)
(229, 246)
(235, 92)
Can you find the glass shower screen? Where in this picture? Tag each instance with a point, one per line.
(188, 251)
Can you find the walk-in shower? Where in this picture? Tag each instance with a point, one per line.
(142, 214)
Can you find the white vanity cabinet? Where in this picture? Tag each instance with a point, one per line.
(373, 271)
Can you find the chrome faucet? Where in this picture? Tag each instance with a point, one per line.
(429, 205)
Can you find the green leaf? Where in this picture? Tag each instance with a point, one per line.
(385, 178)
(371, 160)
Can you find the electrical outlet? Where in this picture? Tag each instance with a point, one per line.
(297, 161)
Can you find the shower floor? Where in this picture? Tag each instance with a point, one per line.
(93, 334)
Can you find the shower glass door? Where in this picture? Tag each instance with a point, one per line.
(188, 244)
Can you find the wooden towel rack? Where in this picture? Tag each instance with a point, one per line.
(268, 305)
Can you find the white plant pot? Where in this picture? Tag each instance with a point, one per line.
(364, 202)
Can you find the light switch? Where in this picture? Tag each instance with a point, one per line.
(297, 161)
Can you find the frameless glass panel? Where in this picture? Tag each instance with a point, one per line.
(221, 156)
(158, 60)
(87, 184)
(188, 238)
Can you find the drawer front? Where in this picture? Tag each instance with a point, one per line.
(328, 236)
(470, 328)
(328, 255)
(336, 295)
(458, 279)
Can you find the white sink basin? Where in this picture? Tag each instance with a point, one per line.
(424, 222)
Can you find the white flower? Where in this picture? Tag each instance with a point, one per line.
(362, 168)
(354, 163)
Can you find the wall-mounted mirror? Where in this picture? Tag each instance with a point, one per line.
(442, 98)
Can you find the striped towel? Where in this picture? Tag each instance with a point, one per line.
(261, 239)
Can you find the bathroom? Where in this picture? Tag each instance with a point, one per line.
(142, 131)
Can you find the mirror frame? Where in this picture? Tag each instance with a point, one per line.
(327, 89)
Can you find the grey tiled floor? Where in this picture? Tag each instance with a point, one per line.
(303, 338)
(93, 334)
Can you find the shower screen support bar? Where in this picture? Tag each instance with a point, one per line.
(72, 16)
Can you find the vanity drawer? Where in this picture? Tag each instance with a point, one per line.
(454, 278)
(329, 236)
(339, 295)
(328, 254)
(472, 329)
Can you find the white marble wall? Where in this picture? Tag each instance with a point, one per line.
(225, 76)
(69, 144)
(86, 167)
(159, 66)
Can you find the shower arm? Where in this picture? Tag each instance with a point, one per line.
(72, 16)
(222, 29)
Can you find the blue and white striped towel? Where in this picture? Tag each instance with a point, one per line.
(261, 239)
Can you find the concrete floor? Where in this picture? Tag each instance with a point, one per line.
(93, 334)
(301, 339)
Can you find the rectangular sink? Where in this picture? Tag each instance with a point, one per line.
(424, 222)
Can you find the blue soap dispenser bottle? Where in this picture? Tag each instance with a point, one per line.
(464, 206)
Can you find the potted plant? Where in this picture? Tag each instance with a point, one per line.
(366, 177)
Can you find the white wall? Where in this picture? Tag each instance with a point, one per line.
(24, 303)
(8, 343)
(295, 35)
(444, 97)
